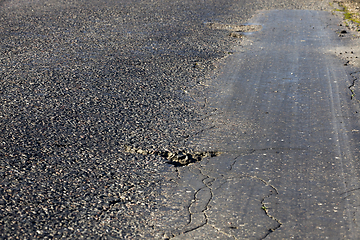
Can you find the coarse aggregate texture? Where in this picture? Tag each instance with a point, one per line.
(79, 80)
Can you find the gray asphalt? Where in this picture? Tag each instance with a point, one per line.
(83, 81)
(288, 128)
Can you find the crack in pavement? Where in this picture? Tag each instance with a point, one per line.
(352, 86)
(349, 191)
(266, 210)
(232, 164)
(197, 208)
(208, 206)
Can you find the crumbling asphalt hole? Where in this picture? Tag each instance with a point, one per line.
(236, 34)
(179, 158)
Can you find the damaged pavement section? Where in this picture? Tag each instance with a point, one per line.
(179, 158)
(286, 97)
(210, 199)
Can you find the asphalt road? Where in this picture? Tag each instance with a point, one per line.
(288, 127)
(81, 80)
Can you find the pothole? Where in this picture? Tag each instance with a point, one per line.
(180, 158)
(235, 30)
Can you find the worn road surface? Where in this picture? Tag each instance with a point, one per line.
(94, 94)
(289, 133)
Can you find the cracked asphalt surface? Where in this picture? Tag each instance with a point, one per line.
(289, 123)
(80, 81)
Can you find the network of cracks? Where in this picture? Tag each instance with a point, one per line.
(213, 199)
